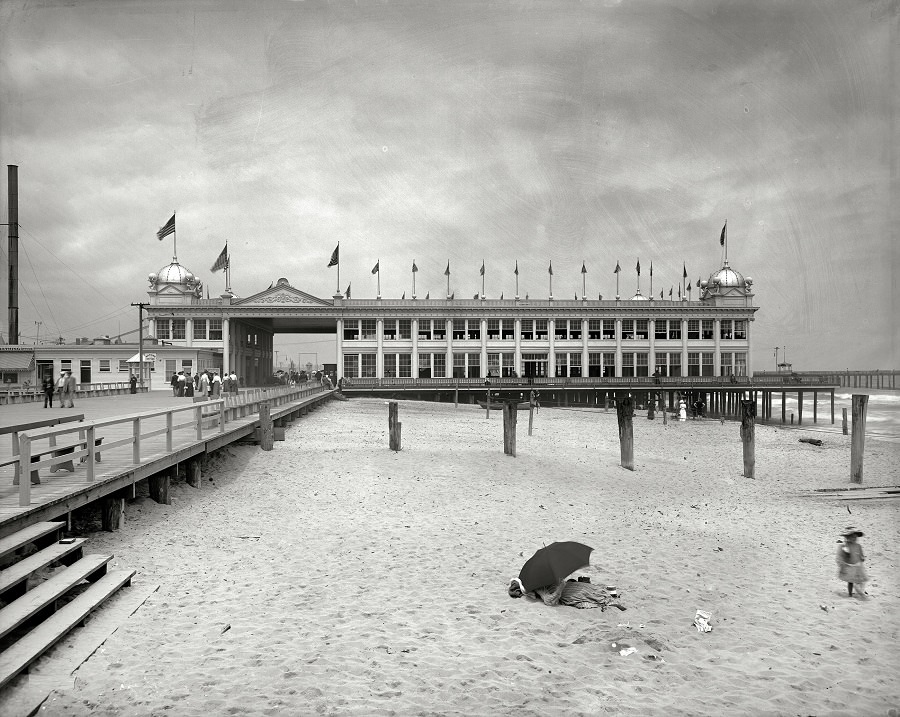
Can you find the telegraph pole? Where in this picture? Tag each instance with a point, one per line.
(141, 308)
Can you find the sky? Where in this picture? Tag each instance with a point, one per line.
(430, 131)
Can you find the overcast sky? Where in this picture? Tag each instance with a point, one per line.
(436, 131)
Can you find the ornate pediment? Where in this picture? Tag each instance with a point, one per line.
(282, 294)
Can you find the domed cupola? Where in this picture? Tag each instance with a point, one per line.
(727, 286)
(174, 284)
(639, 297)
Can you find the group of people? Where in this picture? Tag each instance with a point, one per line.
(208, 383)
(65, 386)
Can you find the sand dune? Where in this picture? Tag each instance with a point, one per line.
(333, 576)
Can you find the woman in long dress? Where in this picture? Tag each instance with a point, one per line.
(682, 411)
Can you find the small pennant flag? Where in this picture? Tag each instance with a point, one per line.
(476, 295)
(721, 238)
(501, 296)
(482, 268)
(651, 268)
(685, 271)
(414, 268)
(583, 268)
(166, 229)
(639, 267)
(551, 268)
(617, 269)
(334, 256)
(427, 295)
(679, 291)
(222, 261)
(670, 292)
(576, 296)
(404, 296)
(516, 272)
(660, 293)
(447, 270)
(452, 296)
(375, 269)
(348, 290)
(698, 282)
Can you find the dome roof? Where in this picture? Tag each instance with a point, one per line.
(726, 277)
(174, 273)
(639, 297)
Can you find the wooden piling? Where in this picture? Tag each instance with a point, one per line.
(194, 473)
(858, 439)
(815, 407)
(625, 413)
(844, 421)
(266, 428)
(393, 426)
(651, 406)
(799, 408)
(510, 411)
(531, 413)
(159, 486)
(783, 408)
(748, 436)
(112, 513)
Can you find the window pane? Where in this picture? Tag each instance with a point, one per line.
(609, 329)
(200, 329)
(215, 329)
(368, 365)
(178, 329)
(540, 329)
(660, 329)
(439, 329)
(405, 326)
(369, 327)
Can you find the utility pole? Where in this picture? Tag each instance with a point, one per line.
(37, 342)
(141, 308)
(776, 359)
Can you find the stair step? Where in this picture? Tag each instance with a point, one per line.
(47, 592)
(25, 651)
(27, 535)
(20, 571)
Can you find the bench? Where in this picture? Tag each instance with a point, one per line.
(56, 452)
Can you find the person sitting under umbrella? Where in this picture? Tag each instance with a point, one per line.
(544, 576)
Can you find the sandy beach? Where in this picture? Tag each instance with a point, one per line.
(334, 576)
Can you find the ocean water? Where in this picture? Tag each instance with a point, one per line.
(882, 413)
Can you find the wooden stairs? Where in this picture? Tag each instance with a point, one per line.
(33, 620)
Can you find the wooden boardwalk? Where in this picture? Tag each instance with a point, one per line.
(164, 439)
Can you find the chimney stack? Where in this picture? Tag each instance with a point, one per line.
(13, 254)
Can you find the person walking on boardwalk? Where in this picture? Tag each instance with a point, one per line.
(682, 411)
(69, 395)
(61, 389)
(203, 385)
(48, 388)
(216, 385)
(174, 383)
(133, 383)
(850, 559)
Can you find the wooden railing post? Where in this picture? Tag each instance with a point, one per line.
(625, 413)
(394, 426)
(169, 432)
(266, 428)
(136, 440)
(222, 417)
(748, 436)
(858, 439)
(198, 422)
(91, 456)
(24, 470)
(844, 421)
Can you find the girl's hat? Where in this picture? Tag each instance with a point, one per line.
(851, 530)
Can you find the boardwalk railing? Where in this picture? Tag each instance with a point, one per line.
(23, 394)
(137, 432)
(640, 382)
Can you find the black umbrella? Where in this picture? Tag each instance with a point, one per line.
(553, 564)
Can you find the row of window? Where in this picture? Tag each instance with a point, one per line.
(568, 364)
(176, 329)
(538, 329)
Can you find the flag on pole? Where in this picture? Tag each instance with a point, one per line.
(334, 256)
(617, 269)
(482, 268)
(476, 295)
(679, 291)
(639, 267)
(670, 292)
(222, 261)
(166, 229)
(447, 270)
(551, 268)
(375, 268)
(404, 296)
(348, 290)
(685, 270)
(516, 272)
(583, 268)
(698, 282)
(651, 268)
(427, 295)
(721, 238)
(414, 267)
(660, 293)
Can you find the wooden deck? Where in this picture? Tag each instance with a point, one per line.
(164, 439)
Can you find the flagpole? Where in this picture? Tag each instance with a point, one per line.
(517, 280)
(482, 278)
(174, 240)
(414, 280)
(379, 276)
(651, 279)
(337, 289)
(726, 241)
(448, 279)
(639, 276)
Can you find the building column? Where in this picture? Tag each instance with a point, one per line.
(584, 348)
(750, 350)
(339, 348)
(379, 348)
(618, 347)
(717, 356)
(414, 359)
(189, 333)
(226, 345)
(483, 323)
(651, 334)
(517, 359)
(684, 346)
(551, 353)
(449, 359)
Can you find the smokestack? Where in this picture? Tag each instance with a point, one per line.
(13, 253)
